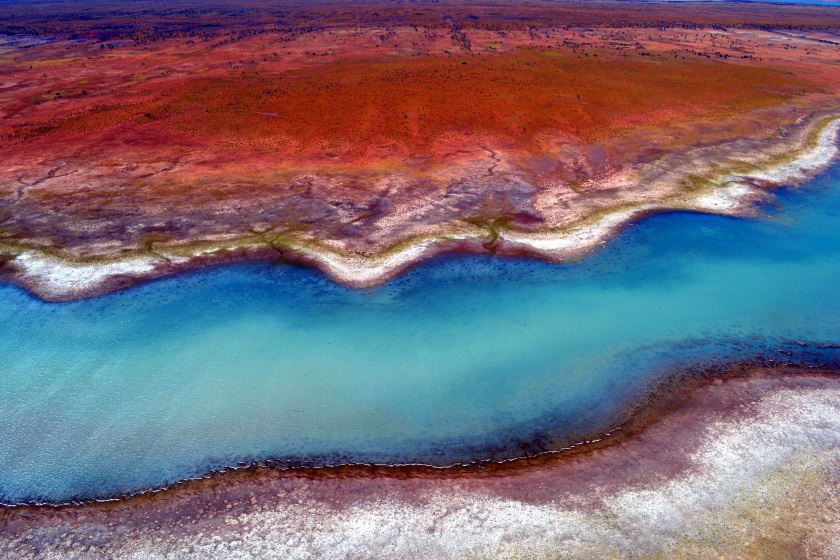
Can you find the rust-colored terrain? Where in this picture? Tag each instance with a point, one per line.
(355, 131)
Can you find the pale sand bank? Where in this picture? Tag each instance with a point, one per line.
(744, 468)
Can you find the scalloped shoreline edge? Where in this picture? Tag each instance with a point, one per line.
(53, 277)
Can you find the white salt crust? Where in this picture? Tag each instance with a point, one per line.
(57, 278)
(740, 465)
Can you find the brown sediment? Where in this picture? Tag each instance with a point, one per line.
(229, 23)
(659, 446)
(723, 393)
(343, 146)
(364, 244)
(108, 160)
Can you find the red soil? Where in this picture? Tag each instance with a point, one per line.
(353, 105)
(366, 103)
(220, 123)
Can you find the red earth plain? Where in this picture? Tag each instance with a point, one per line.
(360, 138)
(349, 135)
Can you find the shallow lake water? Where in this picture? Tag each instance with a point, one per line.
(462, 359)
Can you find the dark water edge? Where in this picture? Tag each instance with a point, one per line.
(673, 392)
(649, 255)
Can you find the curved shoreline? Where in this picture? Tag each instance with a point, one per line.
(669, 394)
(730, 192)
(674, 438)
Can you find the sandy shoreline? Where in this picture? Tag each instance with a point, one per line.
(727, 187)
(361, 140)
(687, 469)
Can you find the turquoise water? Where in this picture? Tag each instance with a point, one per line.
(461, 359)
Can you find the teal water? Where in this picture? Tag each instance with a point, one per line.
(461, 359)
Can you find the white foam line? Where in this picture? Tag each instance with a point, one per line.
(62, 278)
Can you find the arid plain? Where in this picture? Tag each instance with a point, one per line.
(363, 139)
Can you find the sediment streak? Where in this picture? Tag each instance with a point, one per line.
(725, 187)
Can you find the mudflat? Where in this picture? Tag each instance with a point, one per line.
(362, 139)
